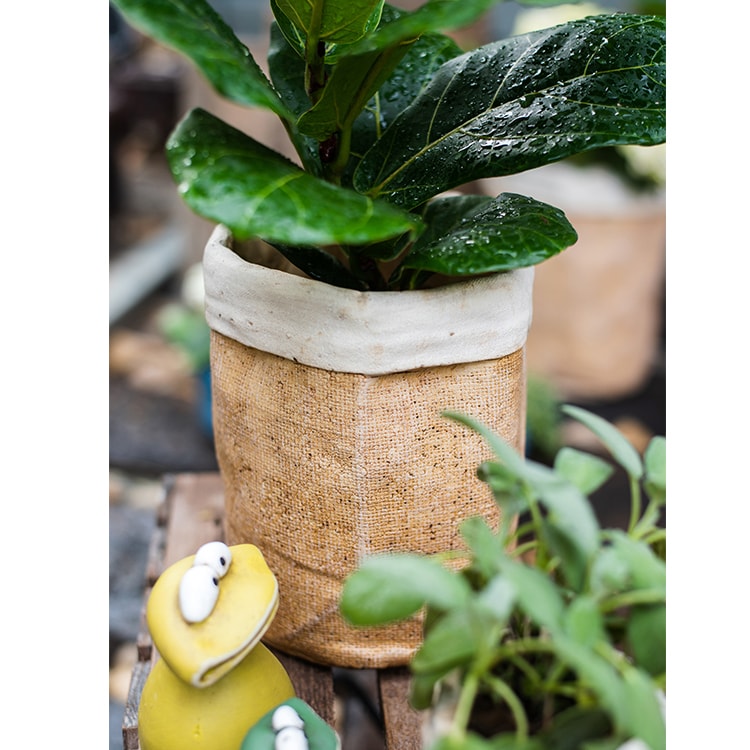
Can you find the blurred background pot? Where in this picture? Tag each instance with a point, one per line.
(598, 306)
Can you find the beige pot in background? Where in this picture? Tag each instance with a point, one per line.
(329, 435)
(597, 305)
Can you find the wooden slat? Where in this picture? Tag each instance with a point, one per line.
(312, 683)
(402, 722)
(196, 515)
(154, 567)
(130, 717)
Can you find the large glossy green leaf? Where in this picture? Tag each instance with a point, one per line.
(434, 15)
(287, 71)
(470, 235)
(415, 70)
(294, 36)
(228, 177)
(524, 102)
(348, 89)
(193, 28)
(342, 21)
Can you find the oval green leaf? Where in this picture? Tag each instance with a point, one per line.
(228, 177)
(391, 587)
(452, 641)
(331, 21)
(194, 29)
(655, 462)
(647, 637)
(536, 594)
(471, 235)
(584, 470)
(614, 441)
(524, 102)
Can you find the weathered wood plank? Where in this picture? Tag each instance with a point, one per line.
(312, 683)
(130, 717)
(402, 722)
(196, 514)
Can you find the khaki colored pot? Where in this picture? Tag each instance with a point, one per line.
(329, 436)
(598, 304)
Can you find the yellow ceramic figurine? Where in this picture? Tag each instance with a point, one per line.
(214, 680)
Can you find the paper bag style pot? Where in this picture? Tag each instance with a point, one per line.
(329, 436)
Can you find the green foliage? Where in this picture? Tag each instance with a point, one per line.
(386, 113)
(557, 619)
(543, 419)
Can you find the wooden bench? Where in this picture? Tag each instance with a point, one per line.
(192, 513)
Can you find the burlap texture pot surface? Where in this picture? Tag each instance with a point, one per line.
(329, 436)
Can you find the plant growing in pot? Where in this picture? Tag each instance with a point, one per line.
(551, 632)
(328, 383)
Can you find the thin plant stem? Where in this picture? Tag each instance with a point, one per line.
(465, 704)
(536, 523)
(504, 691)
(630, 598)
(635, 503)
(521, 549)
(657, 535)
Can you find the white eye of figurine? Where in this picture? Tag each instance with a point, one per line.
(215, 554)
(286, 716)
(291, 738)
(199, 590)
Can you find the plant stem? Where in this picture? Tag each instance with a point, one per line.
(315, 55)
(514, 704)
(629, 598)
(366, 269)
(657, 535)
(635, 503)
(646, 524)
(466, 699)
(523, 548)
(536, 523)
(342, 154)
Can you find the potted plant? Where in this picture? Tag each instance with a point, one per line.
(549, 633)
(389, 297)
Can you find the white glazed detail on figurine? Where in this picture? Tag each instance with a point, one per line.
(199, 587)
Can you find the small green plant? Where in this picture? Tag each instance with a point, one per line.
(386, 114)
(543, 419)
(555, 624)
